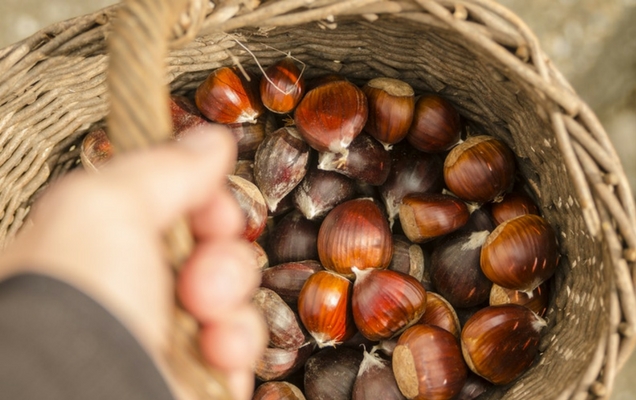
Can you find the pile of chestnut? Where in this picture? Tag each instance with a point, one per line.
(400, 257)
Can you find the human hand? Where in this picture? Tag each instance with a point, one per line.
(103, 234)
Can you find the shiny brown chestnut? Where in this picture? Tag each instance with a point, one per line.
(280, 164)
(277, 363)
(250, 135)
(287, 279)
(537, 300)
(227, 97)
(521, 253)
(428, 363)
(282, 86)
(278, 390)
(355, 234)
(436, 124)
(375, 380)
(499, 343)
(391, 104)
(252, 203)
(512, 205)
(426, 216)
(293, 238)
(408, 257)
(385, 302)
(439, 312)
(480, 169)
(284, 327)
(324, 307)
(320, 191)
(365, 161)
(331, 373)
(475, 386)
(330, 116)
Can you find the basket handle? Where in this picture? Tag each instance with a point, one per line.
(139, 117)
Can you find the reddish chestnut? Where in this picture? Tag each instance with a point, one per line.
(479, 169)
(428, 364)
(436, 125)
(330, 116)
(288, 279)
(427, 216)
(499, 343)
(282, 86)
(512, 205)
(521, 253)
(252, 203)
(278, 390)
(96, 150)
(391, 104)
(537, 300)
(439, 312)
(355, 234)
(325, 309)
(385, 302)
(185, 115)
(227, 97)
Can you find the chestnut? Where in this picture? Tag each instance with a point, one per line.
(537, 300)
(331, 373)
(391, 104)
(408, 257)
(385, 302)
(427, 216)
(261, 256)
(278, 363)
(436, 124)
(480, 169)
(252, 203)
(320, 191)
(244, 169)
(521, 253)
(365, 161)
(324, 308)
(428, 363)
(293, 238)
(282, 86)
(439, 312)
(375, 380)
(475, 386)
(96, 150)
(331, 115)
(288, 279)
(355, 234)
(278, 390)
(512, 205)
(280, 163)
(184, 115)
(499, 343)
(249, 135)
(285, 331)
(228, 97)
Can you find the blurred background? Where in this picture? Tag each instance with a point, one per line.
(592, 42)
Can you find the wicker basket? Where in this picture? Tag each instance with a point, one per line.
(54, 88)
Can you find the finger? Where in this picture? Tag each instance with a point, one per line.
(173, 179)
(221, 217)
(241, 383)
(236, 342)
(218, 278)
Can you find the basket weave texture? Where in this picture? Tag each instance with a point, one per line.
(477, 54)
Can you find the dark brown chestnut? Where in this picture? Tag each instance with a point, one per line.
(439, 312)
(428, 363)
(324, 307)
(293, 238)
(228, 97)
(521, 253)
(245, 169)
(499, 343)
(366, 161)
(252, 203)
(391, 104)
(474, 387)
(355, 234)
(285, 331)
(288, 279)
(278, 390)
(385, 302)
(375, 380)
(411, 172)
(277, 363)
(280, 163)
(479, 169)
(331, 373)
(427, 216)
(512, 205)
(330, 116)
(408, 257)
(282, 86)
(436, 124)
(250, 135)
(537, 300)
(320, 191)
